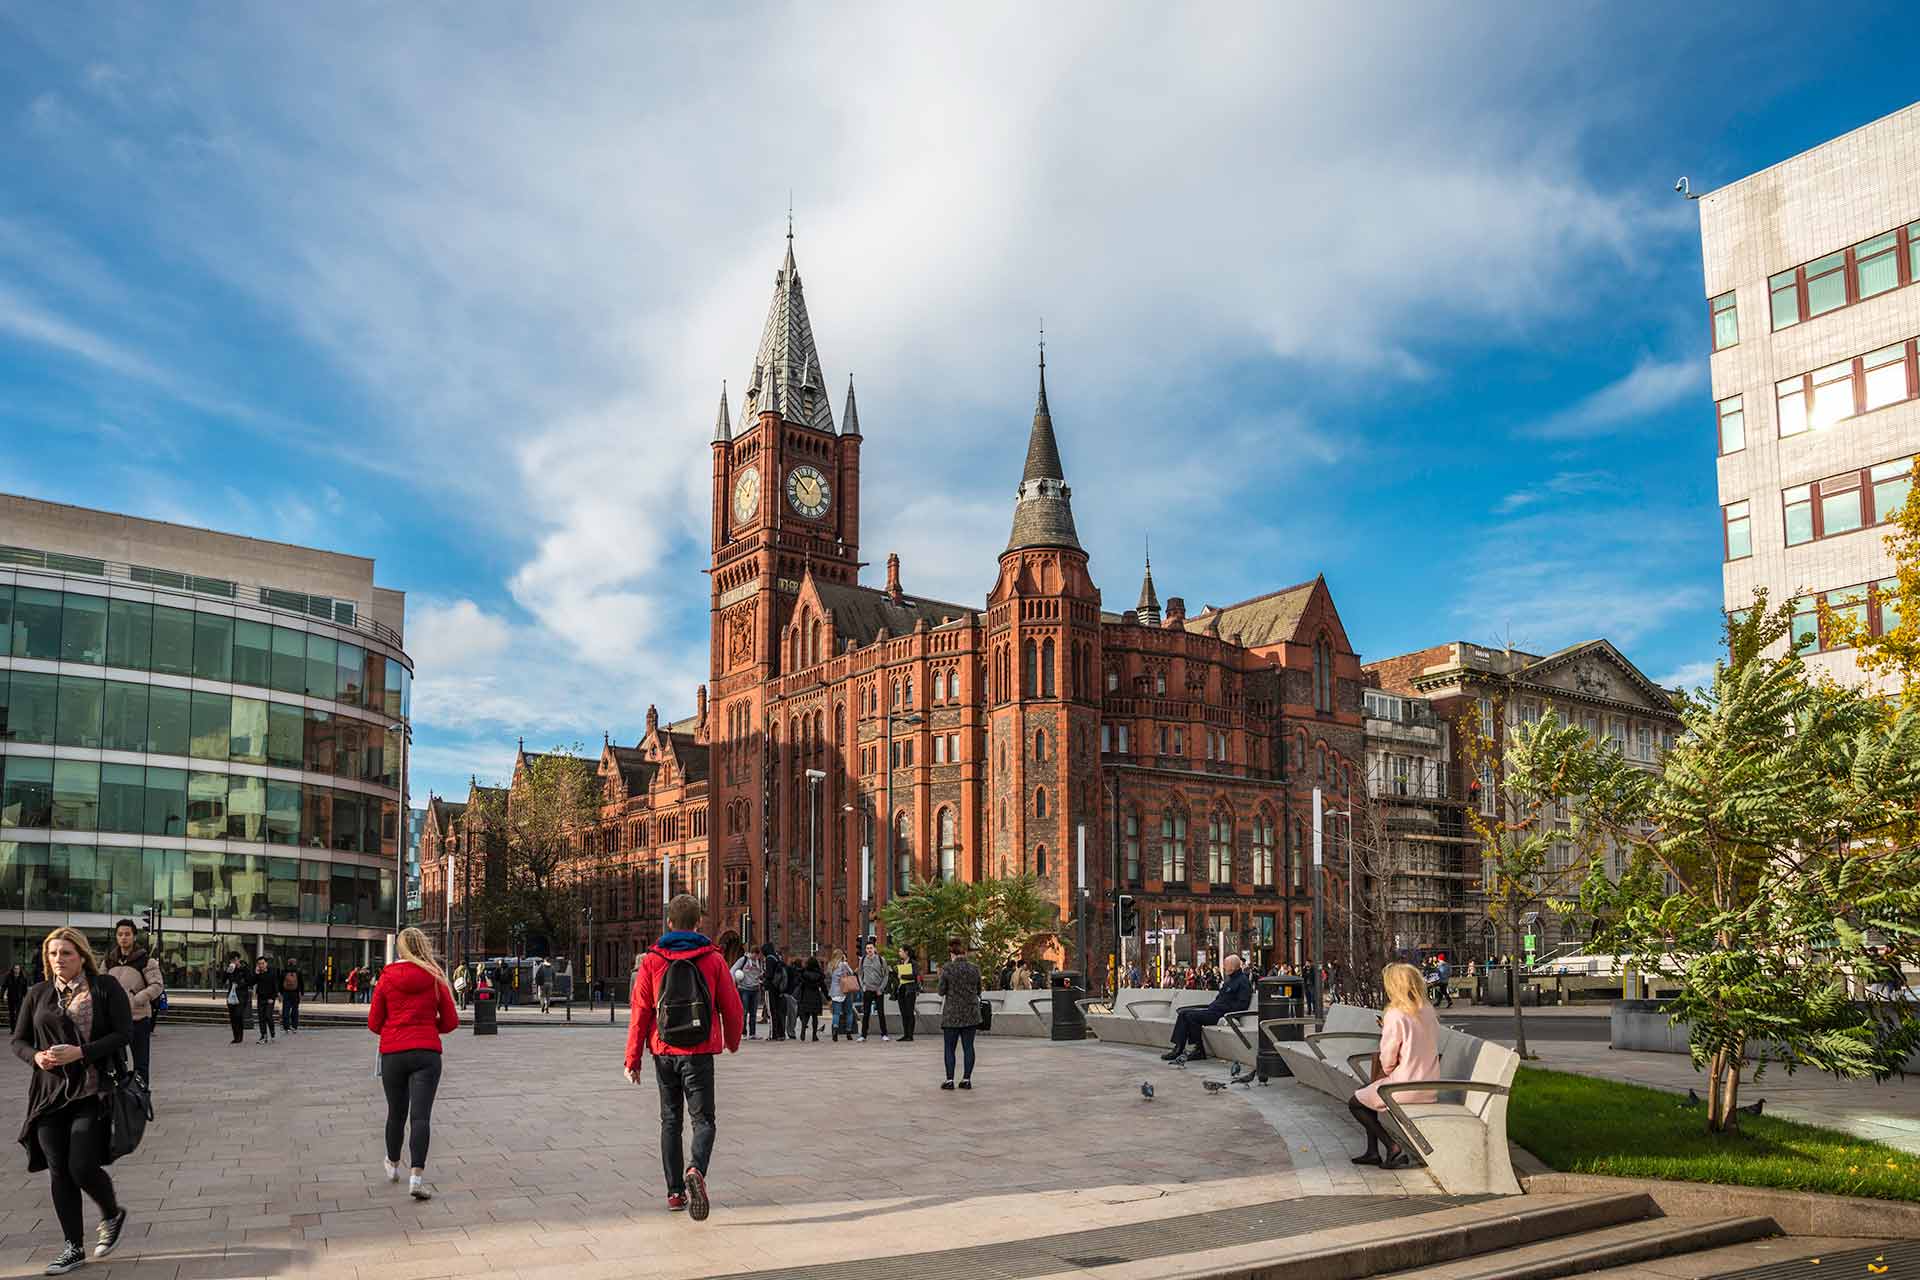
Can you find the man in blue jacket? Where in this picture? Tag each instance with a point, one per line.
(1236, 993)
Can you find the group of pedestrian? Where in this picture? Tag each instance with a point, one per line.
(267, 988)
(791, 993)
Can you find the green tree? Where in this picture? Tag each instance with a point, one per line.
(530, 830)
(1769, 853)
(999, 918)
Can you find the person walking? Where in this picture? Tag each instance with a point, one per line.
(138, 974)
(959, 1008)
(748, 973)
(844, 986)
(685, 1010)
(1409, 1051)
(16, 985)
(353, 985)
(906, 990)
(72, 1027)
(774, 980)
(238, 980)
(266, 989)
(292, 989)
(543, 984)
(411, 1008)
(811, 998)
(873, 988)
(462, 980)
(796, 975)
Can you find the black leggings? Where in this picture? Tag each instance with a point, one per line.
(1379, 1141)
(74, 1140)
(410, 1080)
(237, 1019)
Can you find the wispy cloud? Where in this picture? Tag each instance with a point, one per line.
(1562, 484)
(1651, 387)
(1688, 675)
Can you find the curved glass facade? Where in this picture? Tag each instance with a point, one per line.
(236, 768)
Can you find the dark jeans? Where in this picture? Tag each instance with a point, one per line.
(776, 1015)
(686, 1084)
(290, 1011)
(869, 1001)
(74, 1139)
(410, 1080)
(141, 1044)
(962, 1036)
(906, 999)
(264, 1011)
(1186, 1028)
(237, 1019)
(1377, 1136)
(750, 1006)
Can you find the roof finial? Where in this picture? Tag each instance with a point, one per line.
(1043, 346)
(789, 215)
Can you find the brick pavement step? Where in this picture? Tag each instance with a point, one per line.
(1629, 1244)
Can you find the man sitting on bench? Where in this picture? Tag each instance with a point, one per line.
(1236, 993)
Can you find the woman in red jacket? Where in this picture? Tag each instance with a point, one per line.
(412, 1008)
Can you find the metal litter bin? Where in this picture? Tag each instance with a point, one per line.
(486, 1015)
(1069, 1021)
(1283, 998)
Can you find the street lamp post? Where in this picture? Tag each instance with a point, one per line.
(814, 778)
(400, 845)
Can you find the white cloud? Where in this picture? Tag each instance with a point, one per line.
(1651, 387)
(1688, 675)
(1560, 485)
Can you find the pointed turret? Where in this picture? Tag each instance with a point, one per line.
(850, 420)
(787, 362)
(723, 425)
(1043, 512)
(1149, 606)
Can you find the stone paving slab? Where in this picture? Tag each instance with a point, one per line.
(265, 1159)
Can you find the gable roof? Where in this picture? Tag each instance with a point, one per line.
(692, 755)
(1269, 619)
(1656, 695)
(636, 771)
(860, 612)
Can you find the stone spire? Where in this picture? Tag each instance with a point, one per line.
(1043, 512)
(850, 420)
(723, 425)
(787, 361)
(1149, 606)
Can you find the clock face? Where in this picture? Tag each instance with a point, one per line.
(746, 495)
(808, 491)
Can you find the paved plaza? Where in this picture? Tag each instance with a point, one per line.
(265, 1159)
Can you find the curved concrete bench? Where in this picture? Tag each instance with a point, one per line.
(1015, 1013)
(1235, 1038)
(1144, 1015)
(1462, 1134)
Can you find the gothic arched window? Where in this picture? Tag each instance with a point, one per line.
(1031, 685)
(1040, 745)
(949, 835)
(1040, 803)
(1046, 669)
(1173, 846)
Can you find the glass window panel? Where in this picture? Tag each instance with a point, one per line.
(10, 876)
(375, 690)
(344, 881)
(283, 813)
(33, 877)
(1832, 395)
(1891, 483)
(212, 725)
(320, 673)
(33, 700)
(1877, 265)
(350, 747)
(1791, 406)
(1784, 289)
(1806, 625)
(123, 724)
(1840, 512)
(172, 640)
(26, 796)
(252, 653)
(1886, 373)
(130, 634)
(1913, 251)
(76, 795)
(123, 798)
(132, 888)
(1849, 603)
(206, 806)
(80, 711)
(347, 828)
(319, 741)
(1889, 592)
(169, 720)
(1827, 284)
(289, 660)
(370, 825)
(1726, 322)
(367, 897)
(1733, 425)
(212, 646)
(1739, 531)
(6, 619)
(166, 802)
(286, 729)
(36, 623)
(396, 693)
(315, 892)
(248, 739)
(246, 807)
(83, 629)
(316, 817)
(247, 874)
(173, 879)
(350, 662)
(210, 883)
(283, 890)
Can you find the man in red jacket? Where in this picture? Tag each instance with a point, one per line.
(685, 1074)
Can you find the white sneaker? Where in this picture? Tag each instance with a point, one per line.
(863, 1039)
(393, 1170)
(417, 1187)
(884, 1037)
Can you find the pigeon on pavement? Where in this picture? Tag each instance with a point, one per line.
(1146, 1090)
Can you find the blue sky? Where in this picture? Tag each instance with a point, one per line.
(1402, 296)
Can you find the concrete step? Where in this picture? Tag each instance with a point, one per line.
(1776, 1257)
(1627, 1245)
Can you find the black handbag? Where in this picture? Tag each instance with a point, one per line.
(986, 1015)
(130, 1105)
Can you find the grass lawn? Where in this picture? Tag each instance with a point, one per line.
(1578, 1124)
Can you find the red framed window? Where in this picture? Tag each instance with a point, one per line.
(1817, 400)
(1732, 416)
(1725, 319)
(1840, 504)
(1877, 265)
(1736, 519)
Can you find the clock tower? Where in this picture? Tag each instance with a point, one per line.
(786, 501)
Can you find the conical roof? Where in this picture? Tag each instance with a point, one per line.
(787, 360)
(1043, 510)
(850, 420)
(1043, 453)
(1149, 606)
(723, 425)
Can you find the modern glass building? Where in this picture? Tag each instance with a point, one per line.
(225, 749)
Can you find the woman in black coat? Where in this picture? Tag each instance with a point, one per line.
(813, 997)
(73, 1030)
(237, 981)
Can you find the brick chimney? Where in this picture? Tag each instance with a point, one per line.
(893, 577)
(653, 720)
(1176, 612)
(700, 706)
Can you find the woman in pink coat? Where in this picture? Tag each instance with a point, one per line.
(1409, 1050)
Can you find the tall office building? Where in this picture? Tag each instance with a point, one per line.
(206, 726)
(1812, 315)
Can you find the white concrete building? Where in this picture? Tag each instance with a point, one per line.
(1812, 314)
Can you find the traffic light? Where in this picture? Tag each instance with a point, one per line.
(1129, 916)
(152, 919)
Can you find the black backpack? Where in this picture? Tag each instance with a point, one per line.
(683, 1006)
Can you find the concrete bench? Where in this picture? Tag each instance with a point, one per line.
(1235, 1038)
(1143, 1015)
(1015, 1013)
(1325, 1059)
(1462, 1134)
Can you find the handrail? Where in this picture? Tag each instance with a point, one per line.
(1234, 1026)
(1313, 1039)
(1134, 1006)
(1087, 1004)
(1035, 1002)
(1387, 1091)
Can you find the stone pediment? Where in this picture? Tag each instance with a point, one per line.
(1598, 672)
